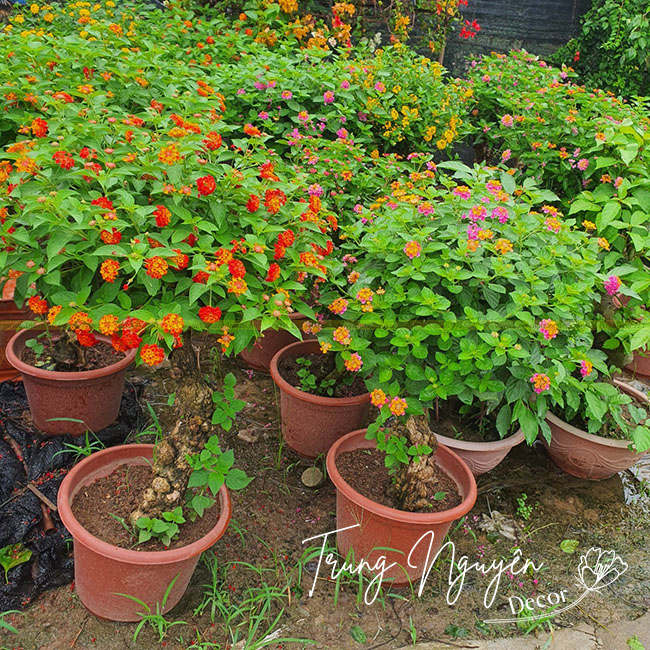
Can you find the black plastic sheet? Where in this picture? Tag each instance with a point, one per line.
(21, 512)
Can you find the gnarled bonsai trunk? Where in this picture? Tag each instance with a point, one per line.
(193, 427)
(415, 481)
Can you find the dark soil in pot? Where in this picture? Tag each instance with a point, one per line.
(364, 470)
(101, 506)
(322, 365)
(471, 427)
(53, 357)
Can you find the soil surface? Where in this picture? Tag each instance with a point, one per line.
(364, 470)
(261, 569)
(323, 366)
(98, 356)
(102, 506)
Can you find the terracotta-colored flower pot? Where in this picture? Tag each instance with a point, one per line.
(310, 423)
(263, 350)
(101, 570)
(92, 396)
(640, 364)
(10, 318)
(585, 455)
(482, 456)
(381, 527)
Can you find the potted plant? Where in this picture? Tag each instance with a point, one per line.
(598, 428)
(112, 578)
(437, 309)
(471, 431)
(73, 379)
(152, 224)
(401, 513)
(452, 308)
(319, 400)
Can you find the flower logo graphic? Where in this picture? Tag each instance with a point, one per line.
(596, 570)
(599, 568)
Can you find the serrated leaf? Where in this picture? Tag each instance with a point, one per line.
(237, 479)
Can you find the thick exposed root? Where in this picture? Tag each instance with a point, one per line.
(193, 427)
(415, 481)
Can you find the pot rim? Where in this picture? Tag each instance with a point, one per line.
(468, 445)
(286, 387)
(24, 368)
(601, 440)
(130, 556)
(420, 518)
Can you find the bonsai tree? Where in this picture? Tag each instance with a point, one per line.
(151, 224)
(464, 287)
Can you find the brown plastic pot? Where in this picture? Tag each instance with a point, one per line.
(640, 364)
(102, 571)
(92, 396)
(585, 455)
(310, 423)
(265, 347)
(10, 318)
(482, 456)
(381, 527)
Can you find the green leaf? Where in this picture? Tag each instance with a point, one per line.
(200, 503)
(611, 210)
(198, 478)
(237, 479)
(596, 405)
(641, 438)
(508, 182)
(357, 633)
(215, 481)
(633, 643)
(503, 420)
(12, 556)
(569, 545)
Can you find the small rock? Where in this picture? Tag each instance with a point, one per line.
(248, 435)
(312, 477)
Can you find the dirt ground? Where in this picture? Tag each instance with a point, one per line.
(251, 590)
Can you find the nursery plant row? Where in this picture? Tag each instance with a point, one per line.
(174, 179)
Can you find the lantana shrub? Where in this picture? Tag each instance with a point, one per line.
(143, 218)
(591, 148)
(533, 115)
(469, 287)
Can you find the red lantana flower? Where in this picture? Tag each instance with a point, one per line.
(209, 314)
(156, 267)
(236, 268)
(152, 354)
(274, 200)
(38, 305)
(162, 215)
(286, 238)
(85, 339)
(39, 127)
(113, 237)
(274, 273)
(212, 141)
(63, 159)
(206, 185)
